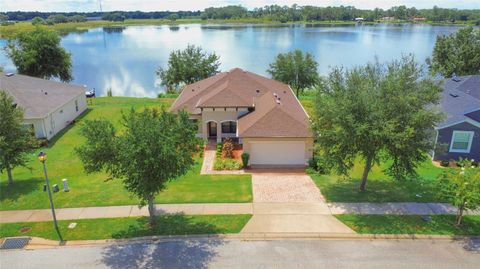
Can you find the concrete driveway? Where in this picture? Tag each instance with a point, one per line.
(288, 201)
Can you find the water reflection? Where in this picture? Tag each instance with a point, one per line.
(125, 58)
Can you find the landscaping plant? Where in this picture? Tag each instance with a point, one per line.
(462, 188)
(227, 148)
(379, 112)
(155, 147)
(245, 159)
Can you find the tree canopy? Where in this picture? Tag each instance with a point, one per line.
(376, 112)
(296, 69)
(188, 66)
(153, 148)
(39, 54)
(458, 53)
(15, 140)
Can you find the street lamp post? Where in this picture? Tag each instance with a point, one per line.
(42, 157)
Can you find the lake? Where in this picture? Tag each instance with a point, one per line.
(125, 59)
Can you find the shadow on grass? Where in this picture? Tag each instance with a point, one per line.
(175, 224)
(188, 253)
(60, 134)
(19, 188)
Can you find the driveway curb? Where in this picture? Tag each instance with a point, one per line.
(41, 243)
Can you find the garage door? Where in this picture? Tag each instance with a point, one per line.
(277, 153)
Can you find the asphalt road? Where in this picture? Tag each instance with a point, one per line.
(215, 253)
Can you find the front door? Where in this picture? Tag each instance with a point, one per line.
(212, 129)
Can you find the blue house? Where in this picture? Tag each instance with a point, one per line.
(458, 136)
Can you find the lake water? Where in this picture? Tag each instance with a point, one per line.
(125, 59)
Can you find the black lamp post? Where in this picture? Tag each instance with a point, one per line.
(42, 157)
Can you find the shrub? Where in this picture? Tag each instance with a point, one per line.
(219, 151)
(109, 92)
(227, 164)
(227, 148)
(444, 163)
(460, 162)
(318, 165)
(245, 158)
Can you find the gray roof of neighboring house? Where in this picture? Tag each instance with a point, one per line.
(38, 97)
(460, 100)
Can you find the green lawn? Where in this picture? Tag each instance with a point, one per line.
(93, 189)
(380, 187)
(91, 229)
(389, 224)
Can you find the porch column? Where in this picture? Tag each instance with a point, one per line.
(219, 132)
(205, 130)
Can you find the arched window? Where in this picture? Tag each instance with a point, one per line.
(229, 127)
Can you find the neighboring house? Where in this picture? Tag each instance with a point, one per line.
(459, 135)
(49, 106)
(262, 114)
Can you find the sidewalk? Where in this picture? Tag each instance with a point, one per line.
(233, 208)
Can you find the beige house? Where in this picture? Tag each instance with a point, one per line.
(49, 106)
(260, 113)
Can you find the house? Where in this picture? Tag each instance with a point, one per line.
(262, 114)
(49, 106)
(459, 134)
(419, 19)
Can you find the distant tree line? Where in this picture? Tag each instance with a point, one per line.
(275, 13)
(29, 15)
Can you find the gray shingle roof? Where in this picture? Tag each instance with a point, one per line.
(459, 99)
(38, 97)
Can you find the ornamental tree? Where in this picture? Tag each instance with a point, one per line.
(461, 187)
(154, 147)
(188, 66)
(296, 69)
(15, 140)
(378, 112)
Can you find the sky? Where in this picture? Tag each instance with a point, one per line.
(174, 5)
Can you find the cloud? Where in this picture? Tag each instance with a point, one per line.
(174, 5)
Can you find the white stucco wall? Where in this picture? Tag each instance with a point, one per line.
(219, 116)
(54, 122)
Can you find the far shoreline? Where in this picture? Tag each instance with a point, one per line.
(7, 31)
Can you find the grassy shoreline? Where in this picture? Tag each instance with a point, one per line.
(10, 30)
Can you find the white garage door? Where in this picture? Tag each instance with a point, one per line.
(277, 153)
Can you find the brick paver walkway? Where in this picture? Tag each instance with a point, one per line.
(284, 188)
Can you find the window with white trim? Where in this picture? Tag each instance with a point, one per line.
(461, 141)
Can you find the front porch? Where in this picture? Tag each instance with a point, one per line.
(218, 131)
